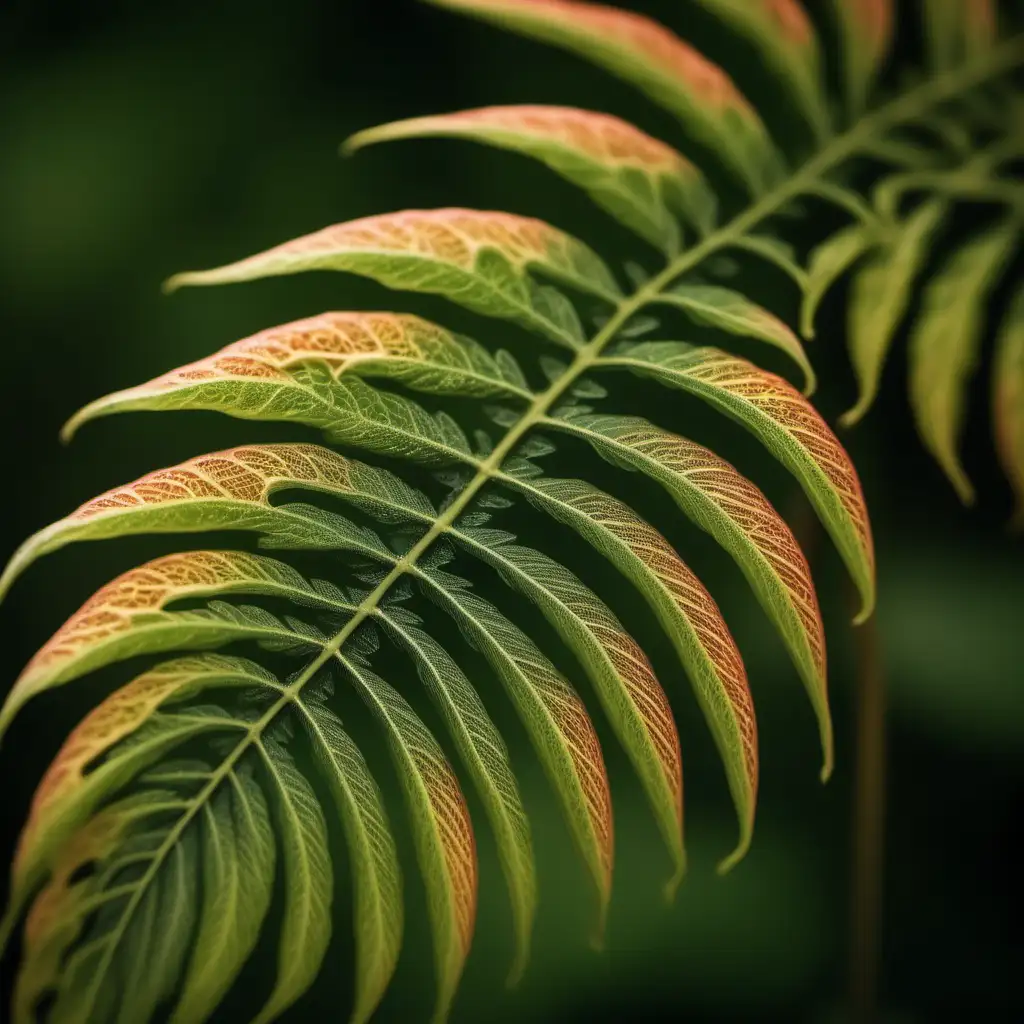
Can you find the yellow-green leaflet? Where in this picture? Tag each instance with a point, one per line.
(67, 794)
(309, 881)
(1008, 400)
(477, 258)
(637, 179)
(790, 429)
(880, 296)
(945, 340)
(376, 876)
(486, 757)
(655, 60)
(867, 28)
(443, 833)
(733, 312)
(828, 262)
(785, 37)
(729, 507)
(238, 856)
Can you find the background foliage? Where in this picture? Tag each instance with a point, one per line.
(139, 139)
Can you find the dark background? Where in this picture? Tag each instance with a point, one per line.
(138, 139)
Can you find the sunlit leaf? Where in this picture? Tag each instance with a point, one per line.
(651, 57)
(734, 313)
(445, 845)
(787, 425)
(828, 262)
(726, 505)
(475, 258)
(636, 178)
(262, 373)
(867, 28)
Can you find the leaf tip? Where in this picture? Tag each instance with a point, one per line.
(671, 887)
(726, 865)
(856, 412)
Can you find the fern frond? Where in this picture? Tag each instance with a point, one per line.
(193, 768)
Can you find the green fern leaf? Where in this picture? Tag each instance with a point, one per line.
(236, 810)
(637, 179)
(641, 51)
(881, 295)
(944, 344)
(1008, 400)
(477, 259)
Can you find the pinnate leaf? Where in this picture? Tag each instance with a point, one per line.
(636, 178)
(475, 258)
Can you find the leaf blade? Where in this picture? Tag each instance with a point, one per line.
(656, 61)
(790, 429)
(476, 258)
(944, 345)
(445, 844)
(729, 507)
(634, 177)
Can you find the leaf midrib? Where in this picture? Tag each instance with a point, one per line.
(841, 147)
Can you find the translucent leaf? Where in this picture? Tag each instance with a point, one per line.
(733, 312)
(262, 372)
(729, 507)
(879, 299)
(128, 617)
(376, 876)
(238, 858)
(308, 882)
(689, 616)
(945, 340)
(787, 425)
(443, 833)
(1008, 400)
(475, 258)
(828, 262)
(486, 757)
(636, 178)
(785, 37)
(68, 794)
(554, 716)
(867, 28)
(655, 60)
(958, 31)
(141, 926)
(630, 693)
(225, 490)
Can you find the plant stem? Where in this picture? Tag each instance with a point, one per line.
(868, 826)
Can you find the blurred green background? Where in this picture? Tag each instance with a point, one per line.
(138, 139)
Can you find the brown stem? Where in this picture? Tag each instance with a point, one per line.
(866, 879)
(868, 810)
